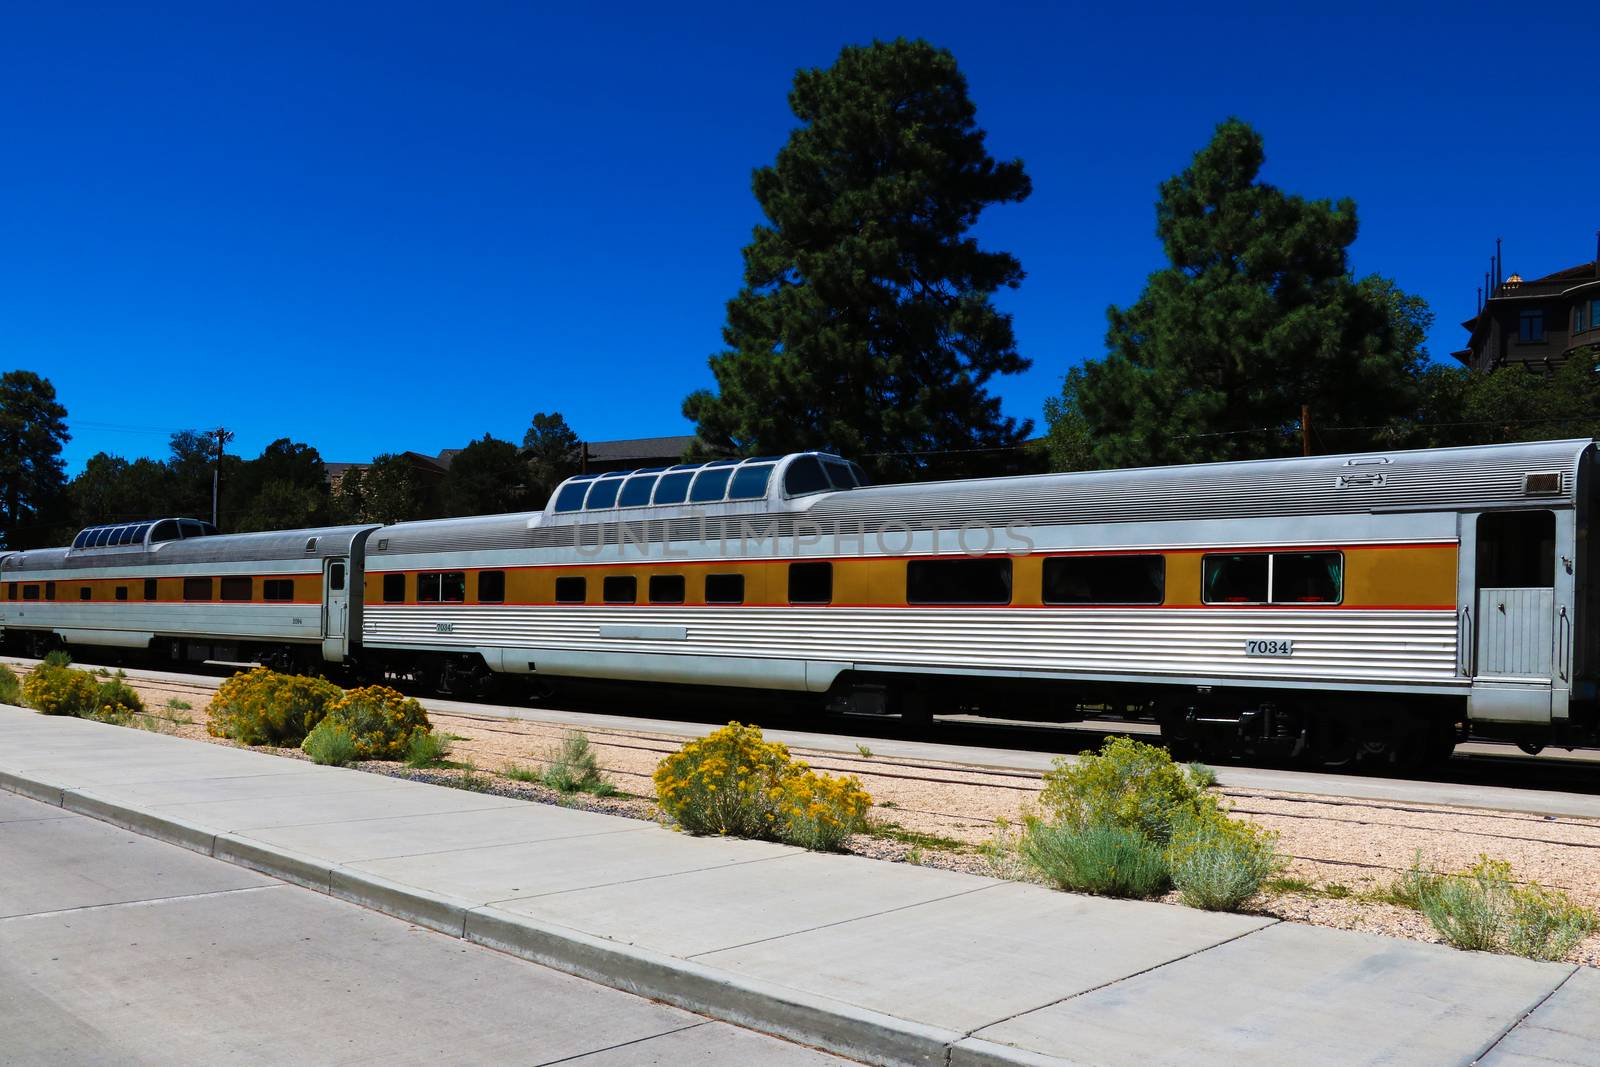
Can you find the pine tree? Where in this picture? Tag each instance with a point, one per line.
(1256, 314)
(33, 428)
(865, 325)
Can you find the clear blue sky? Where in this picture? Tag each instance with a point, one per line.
(376, 227)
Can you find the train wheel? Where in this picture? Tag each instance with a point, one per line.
(1532, 748)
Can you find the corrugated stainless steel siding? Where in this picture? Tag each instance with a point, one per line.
(1343, 645)
(1516, 632)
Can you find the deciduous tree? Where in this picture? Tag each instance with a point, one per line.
(866, 324)
(488, 477)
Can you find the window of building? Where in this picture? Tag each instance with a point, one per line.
(724, 589)
(1594, 314)
(197, 589)
(442, 587)
(620, 589)
(235, 588)
(279, 589)
(30, 592)
(491, 587)
(85, 593)
(666, 589)
(149, 588)
(394, 589)
(958, 581)
(710, 485)
(1531, 325)
(49, 590)
(572, 590)
(805, 475)
(1577, 318)
(673, 488)
(811, 583)
(122, 592)
(1105, 580)
(1307, 577)
(1234, 579)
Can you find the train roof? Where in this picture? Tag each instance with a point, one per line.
(317, 543)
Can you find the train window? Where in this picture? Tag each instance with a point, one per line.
(491, 587)
(277, 589)
(1105, 580)
(572, 590)
(1234, 579)
(750, 483)
(165, 530)
(810, 583)
(666, 589)
(442, 587)
(711, 485)
(805, 475)
(958, 581)
(1307, 577)
(1517, 549)
(11, 590)
(673, 488)
(85, 593)
(197, 589)
(237, 588)
(336, 577)
(839, 474)
(724, 589)
(192, 527)
(571, 496)
(620, 589)
(122, 592)
(604, 494)
(394, 589)
(636, 491)
(49, 590)
(30, 592)
(149, 588)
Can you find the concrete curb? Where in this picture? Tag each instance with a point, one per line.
(831, 1025)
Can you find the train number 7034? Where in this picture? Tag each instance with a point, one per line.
(1276, 646)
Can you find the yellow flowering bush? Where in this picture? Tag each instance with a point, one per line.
(115, 701)
(379, 720)
(57, 690)
(735, 783)
(10, 686)
(263, 707)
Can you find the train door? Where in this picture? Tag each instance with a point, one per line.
(1518, 620)
(335, 609)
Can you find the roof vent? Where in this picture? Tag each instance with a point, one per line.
(1371, 480)
(383, 544)
(1542, 483)
(311, 544)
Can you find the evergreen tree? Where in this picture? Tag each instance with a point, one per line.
(553, 453)
(865, 325)
(390, 490)
(33, 428)
(1256, 314)
(286, 487)
(112, 489)
(488, 477)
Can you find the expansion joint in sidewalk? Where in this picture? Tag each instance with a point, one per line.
(1519, 1020)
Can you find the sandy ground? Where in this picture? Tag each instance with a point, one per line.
(940, 814)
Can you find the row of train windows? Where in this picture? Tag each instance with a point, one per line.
(232, 588)
(1244, 578)
(721, 479)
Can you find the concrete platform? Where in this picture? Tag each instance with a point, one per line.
(179, 959)
(885, 963)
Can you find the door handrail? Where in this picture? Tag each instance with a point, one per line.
(1563, 642)
(1464, 642)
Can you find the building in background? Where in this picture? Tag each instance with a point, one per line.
(1537, 321)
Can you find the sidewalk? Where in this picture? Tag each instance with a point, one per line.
(882, 962)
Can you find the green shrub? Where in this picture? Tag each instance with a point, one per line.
(58, 658)
(1412, 886)
(1111, 861)
(735, 783)
(263, 707)
(10, 687)
(1128, 784)
(426, 749)
(1218, 863)
(1202, 776)
(57, 690)
(1483, 909)
(331, 744)
(116, 702)
(381, 721)
(571, 766)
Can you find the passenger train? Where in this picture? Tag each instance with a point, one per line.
(1334, 609)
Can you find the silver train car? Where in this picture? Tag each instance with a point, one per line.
(1332, 608)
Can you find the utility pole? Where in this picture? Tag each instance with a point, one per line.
(1305, 429)
(222, 436)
